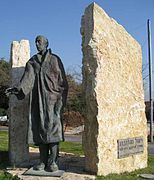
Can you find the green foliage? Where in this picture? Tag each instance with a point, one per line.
(4, 82)
(4, 72)
(2, 112)
(6, 176)
(74, 99)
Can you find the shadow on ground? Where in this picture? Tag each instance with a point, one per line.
(67, 162)
(4, 159)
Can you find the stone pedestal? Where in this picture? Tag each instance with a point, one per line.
(115, 138)
(18, 110)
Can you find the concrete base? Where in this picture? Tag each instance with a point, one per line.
(33, 172)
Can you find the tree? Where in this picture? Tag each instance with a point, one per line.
(4, 83)
(4, 72)
(74, 99)
(73, 115)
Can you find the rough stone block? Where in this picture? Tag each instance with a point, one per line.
(18, 110)
(113, 91)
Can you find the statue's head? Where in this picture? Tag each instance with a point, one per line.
(41, 43)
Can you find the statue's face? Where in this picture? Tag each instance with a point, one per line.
(41, 44)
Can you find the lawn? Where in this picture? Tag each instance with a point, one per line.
(69, 147)
(6, 176)
(3, 141)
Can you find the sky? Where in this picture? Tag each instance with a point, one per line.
(59, 21)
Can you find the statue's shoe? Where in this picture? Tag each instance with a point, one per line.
(53, 167)
(39, 167)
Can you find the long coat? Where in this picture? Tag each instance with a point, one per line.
(44, 78)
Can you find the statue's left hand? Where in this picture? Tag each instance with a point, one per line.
(10, 91)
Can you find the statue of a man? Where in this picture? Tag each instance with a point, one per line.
(44, 78)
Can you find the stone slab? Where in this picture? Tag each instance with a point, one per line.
(113, 93)
(18, 110)
(33, 172)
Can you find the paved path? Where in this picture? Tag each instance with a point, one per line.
(73, 138)
(3, 128)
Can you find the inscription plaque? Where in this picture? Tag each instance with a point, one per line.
(130, 146)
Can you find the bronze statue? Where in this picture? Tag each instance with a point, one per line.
(44, 78)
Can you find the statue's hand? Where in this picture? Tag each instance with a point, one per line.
(10, 91)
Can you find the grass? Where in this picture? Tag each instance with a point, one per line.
(3, 141)
(6, 176)
(4, 156)
(69, 147)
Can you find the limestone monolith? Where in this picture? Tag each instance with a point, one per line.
(18, 110)
(115, 137)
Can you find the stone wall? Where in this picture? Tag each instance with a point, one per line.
(18, 110)
(113, 92)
